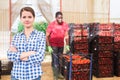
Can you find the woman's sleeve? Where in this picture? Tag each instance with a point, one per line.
(13, 56)
(39, 55)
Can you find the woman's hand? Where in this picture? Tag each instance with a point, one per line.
(24, 56)
(13, 49)
(24, 59)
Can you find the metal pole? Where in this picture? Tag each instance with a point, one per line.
(10, 22)
(91, 55)
(61, 5)
(109, 13)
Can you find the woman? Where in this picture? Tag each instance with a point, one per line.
(27, 49)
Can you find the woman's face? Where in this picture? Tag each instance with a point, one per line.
(27, 19)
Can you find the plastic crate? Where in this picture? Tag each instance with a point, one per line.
(116, 33)
(117, 38)
(79, 70)
(103, 74)
(104, 54)
(116, 45)
(105, 27)
(103, 70)
(103, 39)
(81, 46)
(80, 39)
(81, 75)
(80, 32)
(84, 51)
(102, 61)
(103, 46)
(116, 26)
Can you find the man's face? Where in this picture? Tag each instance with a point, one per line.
(59, 19)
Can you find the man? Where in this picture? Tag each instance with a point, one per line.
(56, 35)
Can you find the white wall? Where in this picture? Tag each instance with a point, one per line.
(115, 8)
(55, 4)
(115, 11)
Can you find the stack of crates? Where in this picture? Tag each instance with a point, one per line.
(117, 49)
(80, 68)
(78, 38)
(116, 37)
(101, 45)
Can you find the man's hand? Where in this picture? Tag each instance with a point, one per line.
(67, 47)
(50, 50)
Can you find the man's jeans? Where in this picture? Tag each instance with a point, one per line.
(13, 78)
(57, 51)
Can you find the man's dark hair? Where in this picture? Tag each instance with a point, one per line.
(58, 13)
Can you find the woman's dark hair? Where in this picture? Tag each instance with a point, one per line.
(58, 13)
(29, 9)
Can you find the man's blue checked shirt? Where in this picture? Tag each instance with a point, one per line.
(30, 69)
